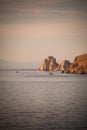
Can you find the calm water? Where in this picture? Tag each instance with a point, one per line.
(32, 100)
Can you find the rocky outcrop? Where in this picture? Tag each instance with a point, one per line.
(49, 64)
(64, 65)
(79, 65)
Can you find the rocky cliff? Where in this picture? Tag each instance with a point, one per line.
(64, 65)
(79, 65)
(49, 64)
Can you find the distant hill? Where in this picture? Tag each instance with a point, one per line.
(17, 65)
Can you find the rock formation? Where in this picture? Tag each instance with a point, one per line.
(49, 64)
(64, 65)
(79, 65)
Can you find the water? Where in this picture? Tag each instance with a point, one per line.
(32, 100)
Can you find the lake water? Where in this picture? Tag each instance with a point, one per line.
(33, 100)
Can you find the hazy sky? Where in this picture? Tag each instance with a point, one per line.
(31, 30)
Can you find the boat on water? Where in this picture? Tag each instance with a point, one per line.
(17, 71)
(50, 73)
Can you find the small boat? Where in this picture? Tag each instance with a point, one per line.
(17, 71)
(50, 73)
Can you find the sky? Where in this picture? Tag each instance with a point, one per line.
(31, 30)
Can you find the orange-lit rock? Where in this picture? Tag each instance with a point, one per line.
(64, 65)
(49, 64)
(79, 65)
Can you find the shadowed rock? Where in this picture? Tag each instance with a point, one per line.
(64, 65)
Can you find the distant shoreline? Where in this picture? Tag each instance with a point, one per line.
(15, 69)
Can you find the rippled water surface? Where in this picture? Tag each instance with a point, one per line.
(32, 100)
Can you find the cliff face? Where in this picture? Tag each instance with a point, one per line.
(79, 65)
(49, 64)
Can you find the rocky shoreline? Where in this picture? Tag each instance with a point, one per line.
(78, 66)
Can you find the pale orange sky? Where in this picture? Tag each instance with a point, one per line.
(31, 31)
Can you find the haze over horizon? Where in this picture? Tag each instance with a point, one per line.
(31, 30)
